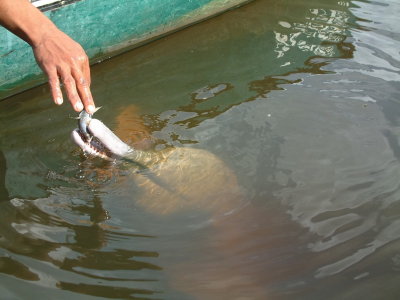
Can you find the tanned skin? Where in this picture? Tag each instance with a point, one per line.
(59, 56)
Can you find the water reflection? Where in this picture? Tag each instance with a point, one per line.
(322, 29)
(355, 187)
(301, 115)
(3, 169)
(70, 236)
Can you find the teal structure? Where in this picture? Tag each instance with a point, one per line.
(104, 28)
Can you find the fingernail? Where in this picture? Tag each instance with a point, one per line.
(79, 106)
(90, 109)
(59, 100)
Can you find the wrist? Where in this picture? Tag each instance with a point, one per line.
(38, 29)
(38, 36)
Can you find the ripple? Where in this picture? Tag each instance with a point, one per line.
(387, 235)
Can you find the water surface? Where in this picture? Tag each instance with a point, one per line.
(295, 102)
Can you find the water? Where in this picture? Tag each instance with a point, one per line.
(295, 105)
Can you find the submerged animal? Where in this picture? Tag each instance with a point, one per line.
(182, 187)
(169, 180)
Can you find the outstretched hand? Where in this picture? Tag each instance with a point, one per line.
(61, 58)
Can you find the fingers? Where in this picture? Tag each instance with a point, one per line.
(76, 81)
(82, 81)
(71, 90)
(54, 83)
(86, 70)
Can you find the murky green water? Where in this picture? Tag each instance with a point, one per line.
(295, 196)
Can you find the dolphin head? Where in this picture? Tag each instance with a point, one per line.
(102, 142)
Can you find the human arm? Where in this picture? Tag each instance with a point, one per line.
(56, 53)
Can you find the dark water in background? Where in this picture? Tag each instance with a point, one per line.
(299, 100)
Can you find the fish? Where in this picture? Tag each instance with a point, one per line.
(83, 123)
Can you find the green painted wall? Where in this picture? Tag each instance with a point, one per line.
(104, 28)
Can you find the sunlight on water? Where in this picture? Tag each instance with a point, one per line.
(274, 134)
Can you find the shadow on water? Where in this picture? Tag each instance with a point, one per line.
(271, 94)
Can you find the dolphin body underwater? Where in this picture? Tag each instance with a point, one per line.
(170, 180)
(176, 183)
